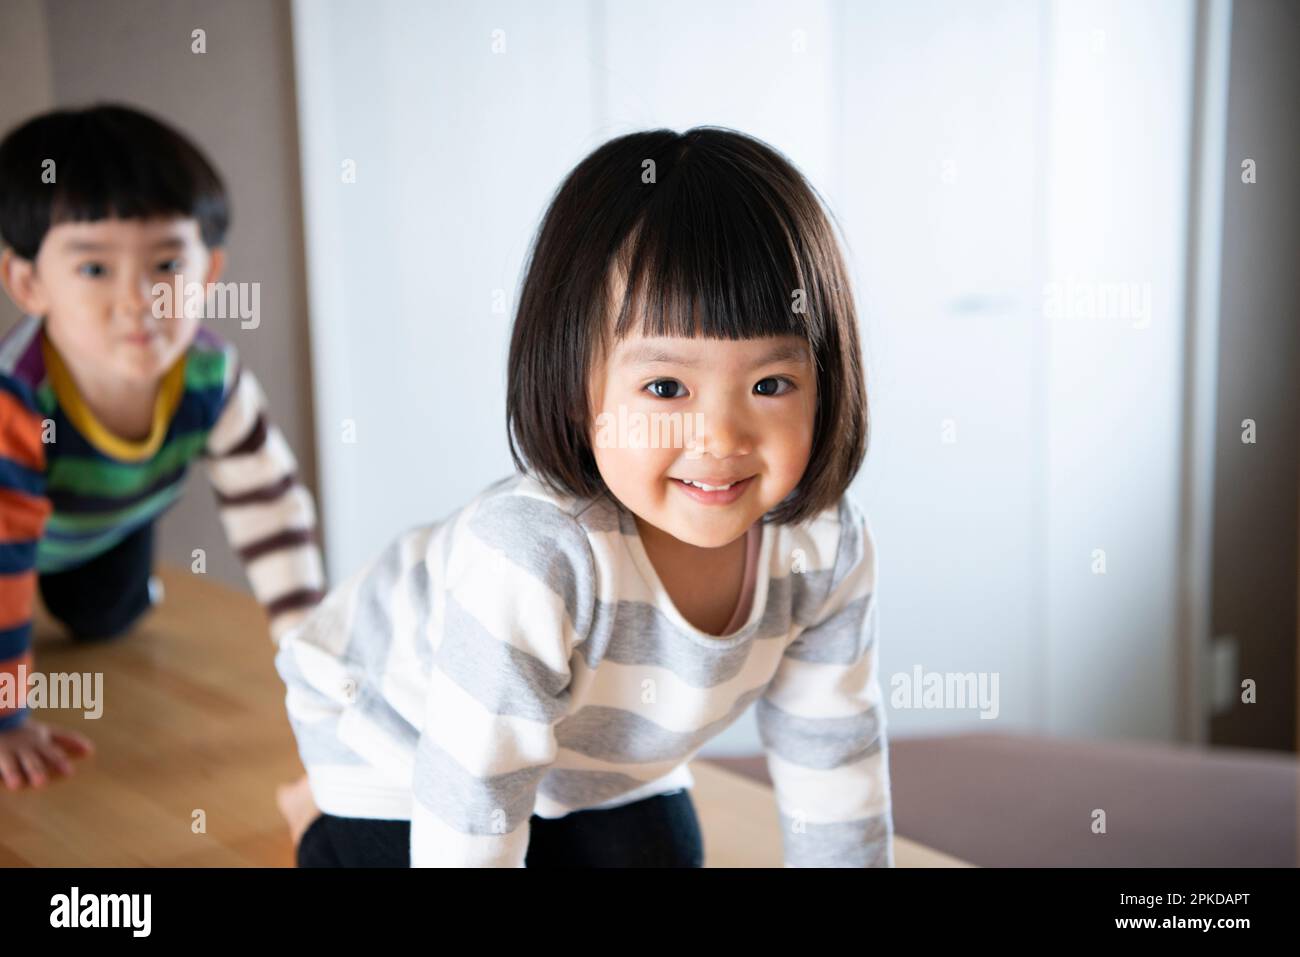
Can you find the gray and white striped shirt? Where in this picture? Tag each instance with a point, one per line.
(522, 657)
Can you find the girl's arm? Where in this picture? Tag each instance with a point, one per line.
(822, 722)
(520, 596)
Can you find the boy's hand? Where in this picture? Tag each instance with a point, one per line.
(32, 751)
(298, 807)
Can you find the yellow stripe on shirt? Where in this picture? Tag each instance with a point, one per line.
(126, 450)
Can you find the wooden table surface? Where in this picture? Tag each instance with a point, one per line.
(193, 740)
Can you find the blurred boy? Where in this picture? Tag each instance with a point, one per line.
(109, 389)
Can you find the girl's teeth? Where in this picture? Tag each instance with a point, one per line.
(709, 488)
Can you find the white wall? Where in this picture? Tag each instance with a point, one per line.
(971, 152)
(407, 263)
(1116, 191)
(941, 157)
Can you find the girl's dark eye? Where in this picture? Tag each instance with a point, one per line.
(91, 270)
(771, 384)
(664, 388)
(171, 265)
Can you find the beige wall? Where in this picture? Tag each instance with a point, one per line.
(237, 102)
(1257, 516)
(25, 82)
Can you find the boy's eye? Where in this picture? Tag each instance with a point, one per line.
(769, 386)
(665, 388)
(91, 270)
(171, 265)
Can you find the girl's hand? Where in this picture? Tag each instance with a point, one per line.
(33, 751)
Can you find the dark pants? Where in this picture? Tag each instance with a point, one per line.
(658, 831)
(104, 597)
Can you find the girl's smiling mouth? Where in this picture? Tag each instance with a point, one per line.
(717, 492)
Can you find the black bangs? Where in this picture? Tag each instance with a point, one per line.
(99, 163)
(712, 257)
(715, 250)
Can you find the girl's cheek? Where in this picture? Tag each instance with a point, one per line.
(795, 446)
(642, 471)
(646, 464)
(793, 426)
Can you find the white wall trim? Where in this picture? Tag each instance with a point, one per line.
(1200, 392)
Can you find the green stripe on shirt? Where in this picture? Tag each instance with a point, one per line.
(81, 523)
(88, 476)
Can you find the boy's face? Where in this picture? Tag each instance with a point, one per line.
(93, 282)
(749, 407)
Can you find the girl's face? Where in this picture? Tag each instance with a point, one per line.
(735, 414)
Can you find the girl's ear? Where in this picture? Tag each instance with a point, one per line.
(216, 263)
(19, 278)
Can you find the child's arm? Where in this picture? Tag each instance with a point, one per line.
(23, 511)
(268, 514)
(822, 722)
(520, 596)
(29, 750)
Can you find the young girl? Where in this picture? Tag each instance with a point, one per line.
(524, 682)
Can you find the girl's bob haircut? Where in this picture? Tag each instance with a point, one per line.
(715, 235)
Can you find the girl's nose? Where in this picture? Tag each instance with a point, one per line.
(726, 434)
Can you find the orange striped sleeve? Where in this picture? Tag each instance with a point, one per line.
(22, 516)
(17, 595)
(20, 433)
(11, 667)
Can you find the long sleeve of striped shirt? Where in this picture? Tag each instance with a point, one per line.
(24, 509)
(822, 723)
(268, 514)
(521, 586)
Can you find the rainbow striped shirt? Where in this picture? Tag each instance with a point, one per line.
(70, 489)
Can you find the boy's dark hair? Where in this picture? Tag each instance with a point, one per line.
(715, 244)
(109, 162)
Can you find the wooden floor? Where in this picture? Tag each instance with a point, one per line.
(193, 741)
(193, 721)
